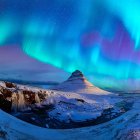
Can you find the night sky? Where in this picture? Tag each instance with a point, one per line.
(53, 37)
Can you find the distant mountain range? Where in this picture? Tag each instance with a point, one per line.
(26, 82)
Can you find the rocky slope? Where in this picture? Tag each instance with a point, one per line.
(15, 98)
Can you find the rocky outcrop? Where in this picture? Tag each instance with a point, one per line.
(13, 99)
(10, 85)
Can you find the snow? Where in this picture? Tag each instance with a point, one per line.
(78, 83)
(127, 127)
(84, 102)
(2, 84)
(77, 106)
(68, 106)
(75, 99)
(17, 129)
(77, 88)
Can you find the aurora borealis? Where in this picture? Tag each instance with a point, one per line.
(99, 37)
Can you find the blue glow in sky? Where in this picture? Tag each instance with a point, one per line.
(100, 38)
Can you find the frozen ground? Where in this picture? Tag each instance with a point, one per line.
(82, 106)
(126, 126)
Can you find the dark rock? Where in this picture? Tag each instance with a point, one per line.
(80, 100)
(10, 85)
(6, 92)
(29, 96)
(5, 104)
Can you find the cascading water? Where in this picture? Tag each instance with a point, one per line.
(21, 102)
(14, 102)
(18, 102)
(37, 100)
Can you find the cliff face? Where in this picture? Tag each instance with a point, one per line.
(15, 98)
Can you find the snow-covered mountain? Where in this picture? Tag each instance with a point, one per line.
(74, 103)
(78, 82)
(14, 97)
(70, 105)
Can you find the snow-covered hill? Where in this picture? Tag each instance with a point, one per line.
(77, 82)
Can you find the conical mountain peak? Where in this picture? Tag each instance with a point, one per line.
(77, 82)
(76, 75)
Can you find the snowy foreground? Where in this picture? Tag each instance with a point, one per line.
(126, 126)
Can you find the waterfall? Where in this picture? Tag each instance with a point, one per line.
(14, 102)
(37, 100)
(21, 102)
